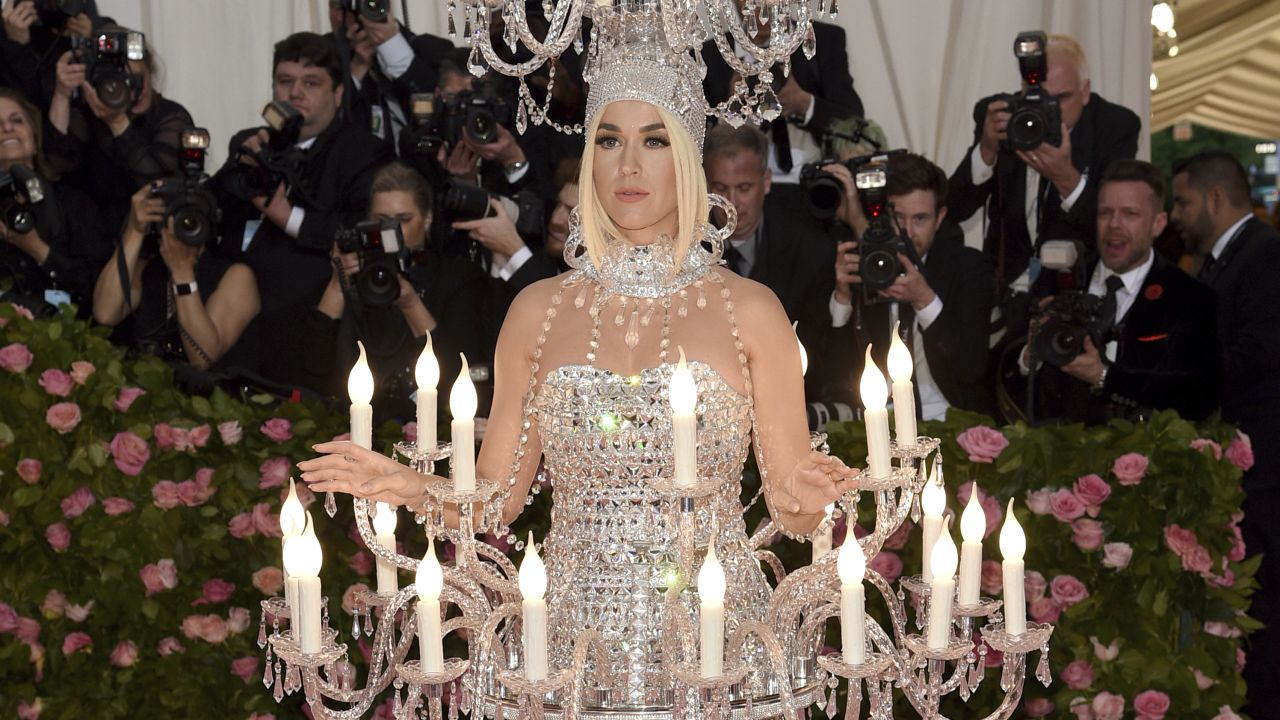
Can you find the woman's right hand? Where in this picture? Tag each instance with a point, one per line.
(70, 75)
(144, 208)
(18, 19)
(348, 468)
(850, 207)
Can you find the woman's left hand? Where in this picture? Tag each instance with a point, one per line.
(178, 256)
(114, 118)
(815, 483)
(348, 468)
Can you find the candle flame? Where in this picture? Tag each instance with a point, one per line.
(533, 573)
(360, 381)
(933, 500)
(973, 522)
(292, 515)
(462, 398)
(900, 365)
(804, 356)
(851, 565)
(302, 554)
(430, 576)
(943, 560)
(384, 519)
(682, 391)
(427, 371)
(872, 388)
(1013, 541)
(711, 581)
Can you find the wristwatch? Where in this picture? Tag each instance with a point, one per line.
(515, 167)
(1102, 380)
(185, 288)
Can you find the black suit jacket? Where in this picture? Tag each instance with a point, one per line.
(1164, 357)
(1245, 281)
(1105, 132)
(955, 343)
(376, 89)
(826, 76)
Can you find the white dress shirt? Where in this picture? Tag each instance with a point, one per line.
(1225, 239)
(983, 172)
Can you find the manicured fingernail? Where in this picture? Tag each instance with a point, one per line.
(367, 487)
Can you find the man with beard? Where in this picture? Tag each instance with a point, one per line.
(1241, 262)
(1148, 350)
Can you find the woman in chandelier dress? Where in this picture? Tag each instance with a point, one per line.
(583, 365)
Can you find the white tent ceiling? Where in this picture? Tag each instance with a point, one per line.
(1224, 75)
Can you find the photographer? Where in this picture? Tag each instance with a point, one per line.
(192, 305)
(1139, 340)
(770, 244)
(124, 133)
(1049, 188)
(52, 240)
(941, 304)
(36, 33)
(448, 297)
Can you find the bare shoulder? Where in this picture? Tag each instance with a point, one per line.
(527, 311)
(753, 300)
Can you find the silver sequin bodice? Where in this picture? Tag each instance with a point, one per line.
(612, 545)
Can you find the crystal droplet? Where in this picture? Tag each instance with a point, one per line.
(831, 708)
(453, 30)
(810, 45)
(581, 298)
(355, 625)
(475, 62)
(268, 676)
(702, 298)
(632, 338)
(330, 504)
(368, 623)
(733, 113)
(770, 108)
(752, 27)
(1043, 673)
(835, 11)
(522, 119)
(262, 633)
(278, 692)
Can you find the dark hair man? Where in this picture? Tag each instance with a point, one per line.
(1241, 262)
(942, 306)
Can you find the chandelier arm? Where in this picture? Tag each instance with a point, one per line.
(370, 538)
(763, 534)
(770, 559)
(777, 658)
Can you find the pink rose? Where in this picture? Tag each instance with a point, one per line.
(75, 642)
(56, 382)
(238, 620)
(992, 577)
(200, 488)
(1066, 590)
(1040, 502)
(993, 511)
(1151, 705)
(1081, 709)
(78, 613)
(1066, 506)
(1202, 443)
(8, 618)
(278, 429)
(1087, 534)
(191, 494)
(168, 646)
(983, 444)
(164, 435)
(888, 564)
(165, 496)
(130, 452)
(126, 397)
(4, 519)
(199, 436)
(75, 504)
(410, 431)
(1092, 491)
(30, 711)
(266, 522)
(1240, 452)
(63, 417)
(159, 576)
(27, 631)
(1221, 629)
(1237, 552)
(15, 357)
(241, 526)
(274, 472)
(210, 628)
(29, 470)
(116, 506)
(349, 597)
(1035, 585)
(1130, 468)
(20, 311)
(217, 590)
(245, 668)
(230, 432)
(898, 539)
(361, 563)
(1108, 706)
(1240, 660)
(81, 370)
(1078, 674)
(268, 580)
(1117, 555)
(1045, 610)
(1038, 707)
(125, 654)
(54, 605)
(59, 536)
(1204, 682)
(1225, 713)
(1180, 540)
(1197, 560)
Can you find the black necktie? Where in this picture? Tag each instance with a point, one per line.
(1208, 270)
(781, 144)
(1114, 283)
(733, 258)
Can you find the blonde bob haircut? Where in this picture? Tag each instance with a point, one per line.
(691, 193)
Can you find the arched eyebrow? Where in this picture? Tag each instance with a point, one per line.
(647, 128)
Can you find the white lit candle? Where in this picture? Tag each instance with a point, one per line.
(875, 394)
(427, 373)
(462, 403)
(711, 587)
(822, 541)
(1013, 544)
(292, 519)
(804, 356)
(904, 399)
(852, 566)
(683, 395)
(933, 500)
(942, 590)
(973, 523)
(303, 559)
(384, 525)
(533, 586)
(429, 583)
(360, 388)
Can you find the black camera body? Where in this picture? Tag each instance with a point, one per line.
(106, 57)
(475, 115)
(187, 200)
(372, 10)
(883, 240)
(55, 13)
(20, 189)
(464, 201)
(821, 188)
(278, 161)
(1065, 322)
(380, 247)
(1035, 116)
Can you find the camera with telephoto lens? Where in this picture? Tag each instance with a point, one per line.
(20, 189)
(1058, 333)
(277, 160)
(187, 201)
(106, 57)
(474, 114)
(463, 201)
(371, 10)
(1035, 117)
(821, 188)
(55, 13)
(380, 247)
(883, 241)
